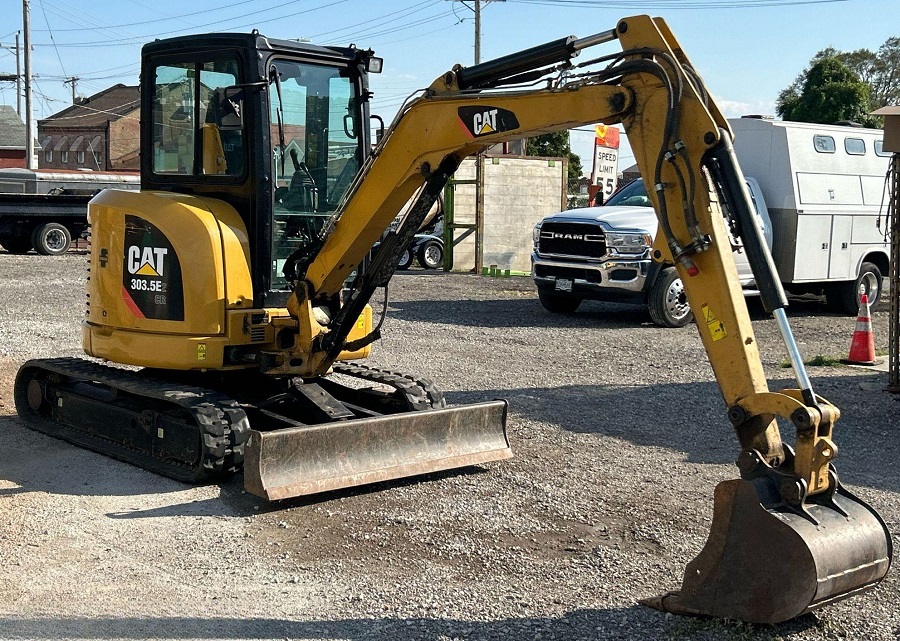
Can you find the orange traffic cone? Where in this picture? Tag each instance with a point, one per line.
(862, 347)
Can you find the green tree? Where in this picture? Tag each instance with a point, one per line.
(879, 70)
(556, 145)
(830, 92)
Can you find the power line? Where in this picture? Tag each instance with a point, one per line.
(78, 16)
(673, 4)
(142, 39)
(58, 57)
(386, 18)
(179, 17)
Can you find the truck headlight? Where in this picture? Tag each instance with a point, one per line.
(630, 243)
(536, 234)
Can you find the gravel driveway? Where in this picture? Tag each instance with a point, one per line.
(619, 435)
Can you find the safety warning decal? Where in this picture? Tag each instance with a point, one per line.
(151, 281)
(714, 325)
(483, 120)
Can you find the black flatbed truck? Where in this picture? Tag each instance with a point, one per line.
(45, 209)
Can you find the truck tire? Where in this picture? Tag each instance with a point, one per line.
(558, 304)
(16, 244)
(667, 301)
(844, 297)
(406, 259)
(51, 239)
(431, 255)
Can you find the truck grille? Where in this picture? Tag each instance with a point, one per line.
(572, 239)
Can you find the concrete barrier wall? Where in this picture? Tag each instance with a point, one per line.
(518, 192)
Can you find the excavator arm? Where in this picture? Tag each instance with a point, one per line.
(833, 544)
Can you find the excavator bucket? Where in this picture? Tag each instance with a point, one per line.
(763, 563)
(303, 460)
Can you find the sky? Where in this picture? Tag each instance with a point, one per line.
(746, 51)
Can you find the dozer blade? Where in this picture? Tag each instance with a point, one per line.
(318, 458)
(768, 565)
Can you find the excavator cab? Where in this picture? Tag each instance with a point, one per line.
(283, 135)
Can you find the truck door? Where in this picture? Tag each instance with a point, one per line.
(840, 265)
(813, 247)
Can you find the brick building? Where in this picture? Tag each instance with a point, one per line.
(12, 138)
(101, 132)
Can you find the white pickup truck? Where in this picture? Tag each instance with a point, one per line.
(817, 191)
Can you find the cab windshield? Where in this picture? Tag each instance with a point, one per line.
(631, 195)
(314, 127)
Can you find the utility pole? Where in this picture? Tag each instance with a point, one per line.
(72, 81)
(18, 80)
(476, 9)
(479, 157)
(29, 116)
(477, 31)
(18, 77)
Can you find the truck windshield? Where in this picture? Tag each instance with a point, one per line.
(315, 151)
(631, 195)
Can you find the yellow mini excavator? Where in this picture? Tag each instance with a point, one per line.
(238, 280)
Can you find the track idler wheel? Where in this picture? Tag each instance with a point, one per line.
(768, 562)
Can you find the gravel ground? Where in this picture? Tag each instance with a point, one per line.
(619, 435)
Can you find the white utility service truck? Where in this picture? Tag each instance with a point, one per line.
(820, 196)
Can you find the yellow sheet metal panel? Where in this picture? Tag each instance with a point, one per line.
(154, 350)
(235, 252)
(157, 263)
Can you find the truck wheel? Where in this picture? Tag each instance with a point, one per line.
(667, 301)
(845, 296)
(16, 244)
(558, 304)
(406, 259)
(431, 255)
(51, 239)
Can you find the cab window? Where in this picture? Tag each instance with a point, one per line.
(186, 138)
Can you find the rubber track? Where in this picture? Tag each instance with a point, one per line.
(220, 421)
(420, 393)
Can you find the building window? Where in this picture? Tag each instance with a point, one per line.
(855, 146)
(48, 155)
(824, 144)
(879, 149)
(64, 157)
(79, 157)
